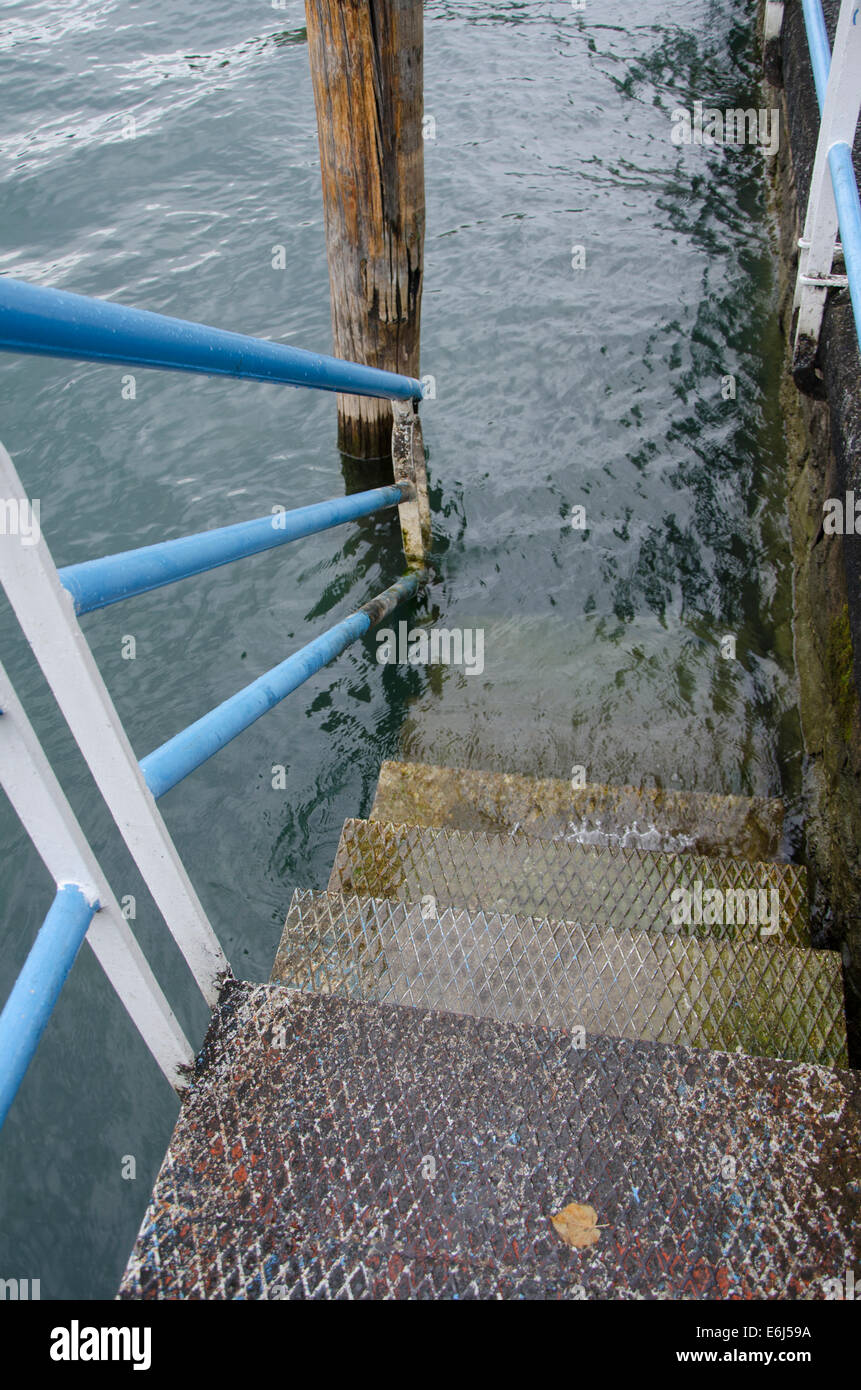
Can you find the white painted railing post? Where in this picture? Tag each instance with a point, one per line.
(46, 815)
(773, 20)
(772, 56)
(817, 245)
(46, 614)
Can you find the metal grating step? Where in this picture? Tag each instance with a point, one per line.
(328, 1149)
(760, 998)
(621, 888)
(655, 819)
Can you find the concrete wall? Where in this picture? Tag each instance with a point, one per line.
(824, 451)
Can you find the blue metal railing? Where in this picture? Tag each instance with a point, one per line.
(37, 988)
(849, 216)
(186, 751)
(820, 48)
(843, 180)
(97, 583)
(54, 323)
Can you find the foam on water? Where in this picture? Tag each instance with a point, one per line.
(634, 836)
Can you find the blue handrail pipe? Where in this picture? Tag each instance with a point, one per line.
(55, 323)
(37, 989)
(97, 583)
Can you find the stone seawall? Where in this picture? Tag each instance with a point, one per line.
(823, 438)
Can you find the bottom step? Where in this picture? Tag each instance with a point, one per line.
(328, 1149)
(639, 818)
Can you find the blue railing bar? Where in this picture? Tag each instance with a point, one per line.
(38, 986)
(97, 583)
(849, 217)
(843, 180)
(54, 323)
(820, 48)
(174, 760)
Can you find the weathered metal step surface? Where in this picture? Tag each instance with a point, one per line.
(655, 819)
(763, 999)
(620, 888)
(328, 1149)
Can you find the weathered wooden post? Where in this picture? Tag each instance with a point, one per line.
(367, 72)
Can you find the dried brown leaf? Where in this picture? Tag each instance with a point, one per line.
(577, 1225)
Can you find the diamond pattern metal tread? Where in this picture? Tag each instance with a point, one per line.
(763, 999)
(328, 1149)
(620, 888)
(648, 818)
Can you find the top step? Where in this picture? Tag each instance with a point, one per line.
(626, 817)
(329, 1148)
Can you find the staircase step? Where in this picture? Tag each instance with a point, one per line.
(620, 888)
(648, 818)
(328, 1149)
(757, 997)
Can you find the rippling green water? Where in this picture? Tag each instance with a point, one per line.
(557, 387)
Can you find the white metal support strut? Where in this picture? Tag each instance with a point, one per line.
(46, 614)
(45, 813)
(818, 244)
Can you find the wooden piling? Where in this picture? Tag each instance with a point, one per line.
(366, 68)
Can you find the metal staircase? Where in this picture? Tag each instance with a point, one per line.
(480, 1024)
(515, 995)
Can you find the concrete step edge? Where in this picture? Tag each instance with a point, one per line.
(430, 794)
